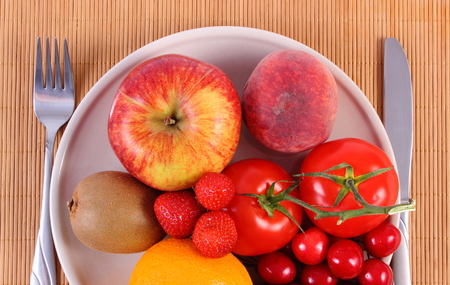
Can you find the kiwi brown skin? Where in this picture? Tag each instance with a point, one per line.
(112, 211)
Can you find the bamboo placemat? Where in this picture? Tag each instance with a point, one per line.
(348, 32)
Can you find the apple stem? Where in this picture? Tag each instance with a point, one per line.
(169, 121)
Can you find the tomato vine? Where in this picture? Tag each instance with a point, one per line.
(349, 185)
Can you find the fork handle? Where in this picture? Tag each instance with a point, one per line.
(44, 270)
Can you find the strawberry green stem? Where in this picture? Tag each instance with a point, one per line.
(271, 202)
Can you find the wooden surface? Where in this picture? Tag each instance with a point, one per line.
(348, 32)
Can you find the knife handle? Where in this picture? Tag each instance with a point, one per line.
(401, 264)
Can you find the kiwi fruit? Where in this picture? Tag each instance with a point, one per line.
(112, 211)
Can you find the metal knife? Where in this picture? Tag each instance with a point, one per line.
(398, 121)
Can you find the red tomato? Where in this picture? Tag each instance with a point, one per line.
(381, 190)
(276, 268)
(375, 272)
(382, 240)
(345, 259)
(319, 274)
(311, 246)
(258, 233)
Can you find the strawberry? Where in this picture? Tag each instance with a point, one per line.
(215, 234)
(177, 212)
(214, 191)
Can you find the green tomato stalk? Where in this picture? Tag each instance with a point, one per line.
(271, 202)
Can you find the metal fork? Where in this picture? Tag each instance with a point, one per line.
(53, 106)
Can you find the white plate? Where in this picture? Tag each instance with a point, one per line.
(84, 148)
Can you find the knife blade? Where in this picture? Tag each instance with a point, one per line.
(398, 121)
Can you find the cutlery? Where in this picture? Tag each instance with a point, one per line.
(398, 121)
(53, 106)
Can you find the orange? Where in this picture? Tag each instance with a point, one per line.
(177, 261)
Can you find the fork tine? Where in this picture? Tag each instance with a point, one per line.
(38, 79)
(58, 83)
(68, 79)
(48, 73)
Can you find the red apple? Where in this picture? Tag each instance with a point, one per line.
(290, 101)
(174, 119)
